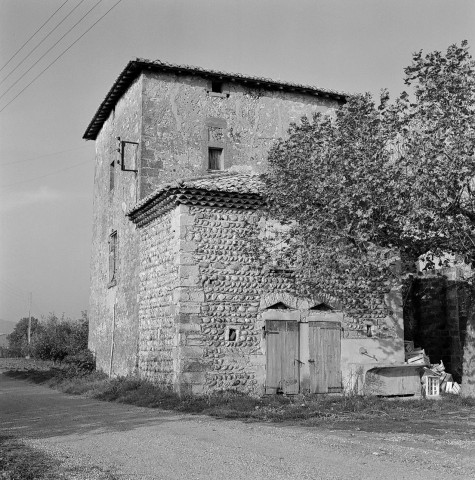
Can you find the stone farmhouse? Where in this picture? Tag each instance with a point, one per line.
(176, 297)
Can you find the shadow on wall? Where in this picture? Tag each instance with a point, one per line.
(436, 312)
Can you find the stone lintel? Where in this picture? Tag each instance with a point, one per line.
(281, 315)
(188, 270)
(326, 317)
(190, 307)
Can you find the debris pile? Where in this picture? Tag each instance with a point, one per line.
(415, 356)
(434, 379)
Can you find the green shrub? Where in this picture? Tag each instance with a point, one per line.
(81, 362)
(59, 338)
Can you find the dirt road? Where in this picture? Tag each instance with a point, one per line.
(140, 443)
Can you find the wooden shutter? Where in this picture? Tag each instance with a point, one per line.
(112, 256)
(282, 339)
(325, 354)
(215, 158)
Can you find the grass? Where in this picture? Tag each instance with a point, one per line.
(21, 462)
(298, 409)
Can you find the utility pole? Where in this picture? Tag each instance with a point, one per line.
(29, 326)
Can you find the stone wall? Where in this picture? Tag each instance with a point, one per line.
(221, 291)
(158, 279)
(113, 309)
(181, 119)
(231, 284)
(173, 119)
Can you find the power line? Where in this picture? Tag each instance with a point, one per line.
(42, 156)
(51, 48)
(10, 291)
(44, 176)
(59, 56)
(31, 51)
(13, 287)
(19, 50)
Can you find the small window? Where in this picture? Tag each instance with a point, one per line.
(232, 335)
(215, 158)
(111, 176)
(369, 332)
(112, 257)
(217, 87)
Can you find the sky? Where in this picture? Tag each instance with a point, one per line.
(47, 170)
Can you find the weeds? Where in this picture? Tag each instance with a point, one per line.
(308, 409)
(21, 462)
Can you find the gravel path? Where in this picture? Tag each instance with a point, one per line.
(139, 443)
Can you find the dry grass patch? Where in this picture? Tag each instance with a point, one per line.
(298, 409)
(21, 462)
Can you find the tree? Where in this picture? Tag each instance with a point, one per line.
(18, 339)
(60, 338)
(372, 179)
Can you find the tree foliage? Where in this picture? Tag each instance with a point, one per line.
(53, 338)
(18, 339)
(60, 338)
(375, 177)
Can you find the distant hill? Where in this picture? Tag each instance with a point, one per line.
(6, 327)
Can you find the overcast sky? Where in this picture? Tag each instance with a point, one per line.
(47, 170)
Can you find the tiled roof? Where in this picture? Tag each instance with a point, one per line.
(226, 189)
(227, 182)
(135, 67)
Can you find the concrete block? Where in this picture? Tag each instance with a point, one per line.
(190, 282)
(185, 259)
(281, 315)
(187, 246)
(197, 296)
(192, 378)
(189, 307)
(198, 389)
(190, 351)
(181, 294)
(186, 219)
(188, 271)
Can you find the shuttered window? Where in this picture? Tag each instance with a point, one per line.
(215, 158)
(112, 256)
(111, 176)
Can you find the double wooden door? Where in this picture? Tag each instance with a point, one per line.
(283, 362)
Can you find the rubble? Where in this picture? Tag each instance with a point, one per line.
(435, 379)
(445, 380)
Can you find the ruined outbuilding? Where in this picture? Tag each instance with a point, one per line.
(175, 294)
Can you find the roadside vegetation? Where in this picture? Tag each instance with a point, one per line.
(365, 412)
(52, 338)
(20, 461)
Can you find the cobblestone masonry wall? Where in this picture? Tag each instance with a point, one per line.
(158, 279)
(228, 285)
(218, 295)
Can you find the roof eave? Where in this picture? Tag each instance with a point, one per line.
(135, 67)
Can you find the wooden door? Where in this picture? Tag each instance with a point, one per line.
(282, 363)
(325, 353)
